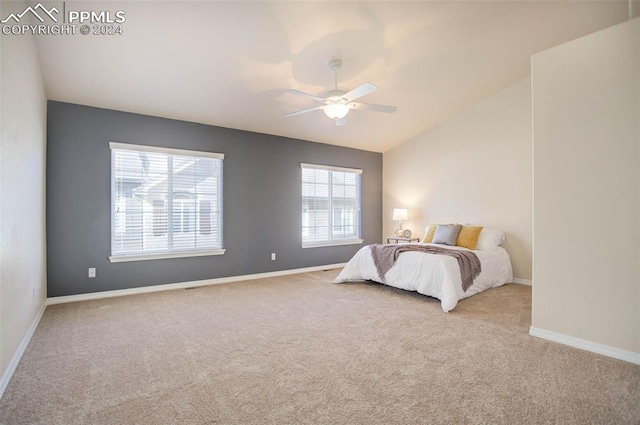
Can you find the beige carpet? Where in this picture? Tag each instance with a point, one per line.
(299, 349)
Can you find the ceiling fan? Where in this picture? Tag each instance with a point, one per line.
(337, 103)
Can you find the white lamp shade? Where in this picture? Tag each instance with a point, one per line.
(400, 214)
(336, 111)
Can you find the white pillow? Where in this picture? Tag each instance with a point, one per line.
(490, 239)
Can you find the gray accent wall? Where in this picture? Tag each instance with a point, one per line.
(262, 199)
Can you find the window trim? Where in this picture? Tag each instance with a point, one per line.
(331, 168)
(161, 254)
(169, 151)
(333, 243)
(336, 242)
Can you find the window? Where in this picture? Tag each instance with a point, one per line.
(330, 206)
(164, 203)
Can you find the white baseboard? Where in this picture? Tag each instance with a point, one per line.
(182, 285)
(522, 281)
(13, 364)
(583, 344)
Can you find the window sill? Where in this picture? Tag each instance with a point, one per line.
(333, 243)
(160, 256)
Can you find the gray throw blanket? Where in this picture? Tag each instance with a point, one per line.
(384, 256)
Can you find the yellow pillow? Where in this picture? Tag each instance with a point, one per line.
(468, 236)
(429, 236)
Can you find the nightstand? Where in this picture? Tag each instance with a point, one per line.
(403, 240)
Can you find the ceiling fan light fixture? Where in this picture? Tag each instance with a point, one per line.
(336, 103)
(336, 111)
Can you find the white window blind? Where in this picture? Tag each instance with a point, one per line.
(330, 205)
(164, 203)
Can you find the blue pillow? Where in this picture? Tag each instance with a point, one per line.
(446, 234)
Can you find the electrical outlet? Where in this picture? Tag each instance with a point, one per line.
(273, 256)
(92, 272)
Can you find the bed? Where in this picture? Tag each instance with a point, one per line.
(437, 276)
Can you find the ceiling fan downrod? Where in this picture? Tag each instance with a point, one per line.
(335, 65)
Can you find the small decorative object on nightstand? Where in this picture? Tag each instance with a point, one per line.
(403, 240)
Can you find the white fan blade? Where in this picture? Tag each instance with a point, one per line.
(303, 94)
(372, 107)
(360, 91)
(290, 114)
(342, 121)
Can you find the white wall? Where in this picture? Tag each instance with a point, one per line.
(22, 192)
(586, 121)
(474, 168)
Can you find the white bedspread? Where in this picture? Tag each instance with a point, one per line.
(437, 276)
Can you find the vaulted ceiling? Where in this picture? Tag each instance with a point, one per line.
(229, 63)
